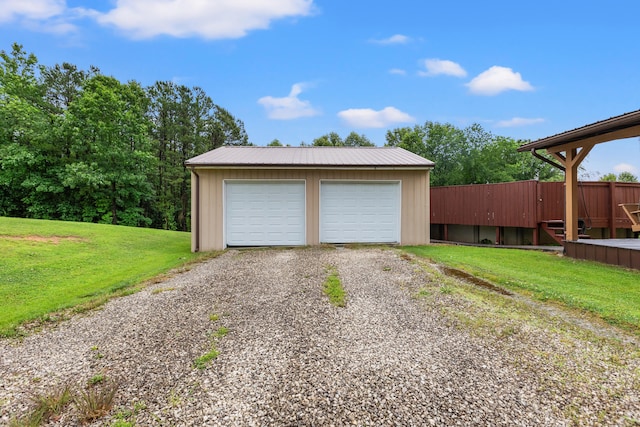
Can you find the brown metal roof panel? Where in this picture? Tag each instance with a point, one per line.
(310, 156)
(601, 127)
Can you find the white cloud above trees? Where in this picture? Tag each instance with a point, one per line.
(625, 167)
(398, 72)
(496, 80)
(47, 16)
(31, 10)
(395, 39)
(144, 19)
(519, 121)
(437, 67)
(289, 107)
(196, 18)
(369, 118)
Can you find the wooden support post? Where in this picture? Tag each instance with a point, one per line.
(571, 160)
(571, 196)
(446, 232)
(498, 236)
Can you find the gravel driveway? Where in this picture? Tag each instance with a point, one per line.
(289, 357)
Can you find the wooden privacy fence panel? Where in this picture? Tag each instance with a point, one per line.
(510, 204)
(528, 203)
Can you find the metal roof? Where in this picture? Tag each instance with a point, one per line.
(606, 130)
(314, 157)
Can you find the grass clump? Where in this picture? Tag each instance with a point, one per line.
(202, 361)
(333, 288)
(97, 378)
(46, 407)
(96, 401)
(611, 293)
(221, 332)
(161, 290)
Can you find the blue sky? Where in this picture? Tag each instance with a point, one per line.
(297, 69)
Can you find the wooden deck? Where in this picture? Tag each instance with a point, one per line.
(621, 252)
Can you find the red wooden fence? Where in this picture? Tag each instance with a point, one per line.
(529, 203)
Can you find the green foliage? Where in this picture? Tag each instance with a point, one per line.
(609, 292)
(627, 177)
(202, 361)
(48, 266)
(333, 288)
(184, 123)
(45, 407)
(95, 402)
(221, 332)
(77, 145)
(471, 155)
(623, 177)
(332, 139)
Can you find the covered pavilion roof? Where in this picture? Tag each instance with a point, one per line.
(619, 127)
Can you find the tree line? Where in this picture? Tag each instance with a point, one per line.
(78, 145)
(471, 155)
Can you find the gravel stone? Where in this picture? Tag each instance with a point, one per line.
(290, 357)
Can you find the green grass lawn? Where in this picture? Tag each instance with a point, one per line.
(48, 266)
(611, 293)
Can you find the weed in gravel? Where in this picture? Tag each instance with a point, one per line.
(97, 378)
(46, 407)
(221, 332)
(446, 290)
(333, 288)
(214, 317)
(95, 402)
(174, 399)
(202, 361)
(160, 290)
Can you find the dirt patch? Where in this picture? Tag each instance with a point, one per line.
(469, 278)
(55, 240)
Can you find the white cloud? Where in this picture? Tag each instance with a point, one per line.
(496, 80)
(518, 121)
(289, 107)
(437, 67)
(220, 19)
(398, 71)
(31, 9)
(368, 118)
(625, 167)
(395, 39)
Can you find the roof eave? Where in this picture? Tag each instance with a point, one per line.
(605, 130)
(312, 167)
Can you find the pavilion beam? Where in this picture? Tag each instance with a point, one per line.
(630, 132)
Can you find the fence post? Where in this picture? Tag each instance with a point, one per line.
(613, 211)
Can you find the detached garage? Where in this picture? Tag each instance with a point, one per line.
(296, 196)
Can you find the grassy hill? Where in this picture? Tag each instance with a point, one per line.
(49, 266)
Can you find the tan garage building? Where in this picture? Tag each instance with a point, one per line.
(296, 196)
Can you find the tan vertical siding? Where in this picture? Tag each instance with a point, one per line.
(414, 200)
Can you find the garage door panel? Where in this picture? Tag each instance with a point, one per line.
(366, 212)
(265, 213)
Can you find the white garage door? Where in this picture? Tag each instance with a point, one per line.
(360, 212)
(259, 213)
